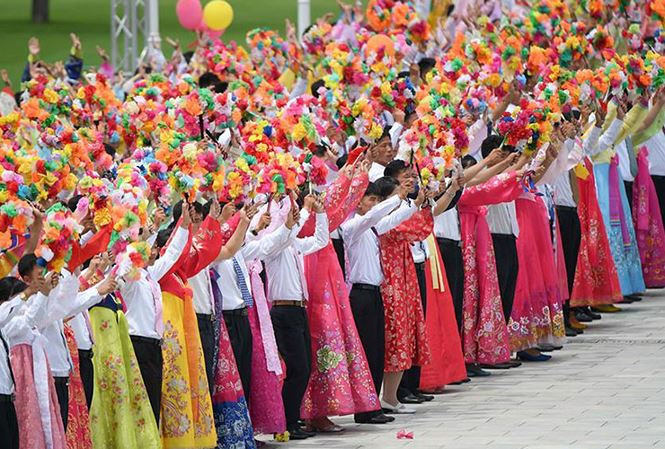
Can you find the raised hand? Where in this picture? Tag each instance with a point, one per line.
(186, 217)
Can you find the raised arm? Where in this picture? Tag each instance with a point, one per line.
(267, 245)
(233, 245)
(173, 251)
(359, 224)
(500, 189)
(405, 211)
(321, 237)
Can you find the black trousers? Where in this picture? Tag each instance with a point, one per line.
(207, 333)
(8, 423)
(62, 391)
(240, 335)
(368, 314)
(659, 184)
(411, 377)
(294, 345)
(151, 363)
(451, 253)
(507, 267)
(338, 244)
(87, 374)
(571, 234)
(629, 192)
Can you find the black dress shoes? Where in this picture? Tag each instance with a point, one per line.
(376, 419)
(299, 434)
(474, 370)
(424, 397)
(411, 399)
(496, 366)
(582, 317)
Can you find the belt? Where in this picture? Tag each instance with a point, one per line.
(152, 341)
(7, 397)
(60, 380)
(236, 312)
(370, 287)
(85, 353)
(420, 266)
(566, 208)
(288, 303)
(205, 316)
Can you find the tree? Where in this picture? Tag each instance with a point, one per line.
(39, 11)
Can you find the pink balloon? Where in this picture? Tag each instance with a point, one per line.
(190, 13)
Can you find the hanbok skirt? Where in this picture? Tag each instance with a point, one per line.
(447, 361)
(78, 419)
(120, 413)
(596, 280)
(340, 382)
(537, 315)
(35, 416)
(186, 410)
(648, 222)
(620, 231)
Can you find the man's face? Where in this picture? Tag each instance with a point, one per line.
(385, 152)
(36, 275)
(154, 252)
(367, 203)
(407, 178)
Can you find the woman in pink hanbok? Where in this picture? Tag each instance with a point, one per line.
(484, 334)
(340, 383)
(648, 224)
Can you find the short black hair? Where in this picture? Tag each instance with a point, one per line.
(177, 209)
(490, 143)
(208, 79)
(372, 189)
(163, 236)
(9, 287)
(341, 161)
(468, 161)
(27, 264)
(425, 65)
(221, 87)
(386, 186)
(394, 168)
(316, 85)
(73, 202)
(320, 150)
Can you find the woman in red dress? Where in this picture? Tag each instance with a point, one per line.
(596, 279)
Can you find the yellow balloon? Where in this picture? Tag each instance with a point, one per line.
(218, 15)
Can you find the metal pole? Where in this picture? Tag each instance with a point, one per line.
(154, 40)
(303, 16)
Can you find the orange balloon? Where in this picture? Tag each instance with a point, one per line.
(378, 42)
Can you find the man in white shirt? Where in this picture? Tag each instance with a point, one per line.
(287, 291)
(502, 221)
(143, 298)
(382, 154)
(234, 281)
(62, 304)
(360, 234)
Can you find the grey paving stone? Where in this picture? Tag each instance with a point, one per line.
(604, 390)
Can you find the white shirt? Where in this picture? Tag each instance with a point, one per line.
(138, 295)
(361, 244)
(63, 302)
(656, 147)
(79, 325)
(16, 322)
(502, 219)
(202, 292)
(624, 161)
(419, 252)
(446, 225)
(260, 248)
(563, 193)
(285, 269)
(375, 171)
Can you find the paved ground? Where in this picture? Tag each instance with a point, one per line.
(605, 389)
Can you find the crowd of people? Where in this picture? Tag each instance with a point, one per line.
(251, 240)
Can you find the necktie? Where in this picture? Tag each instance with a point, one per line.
(242, 284)
(380, 256)
(157, 301)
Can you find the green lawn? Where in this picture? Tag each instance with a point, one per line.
(90, 20)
